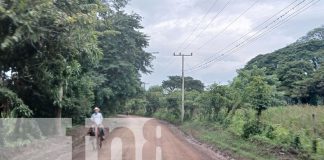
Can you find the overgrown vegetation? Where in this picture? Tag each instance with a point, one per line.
(247, 109)
(60, 58)
(287, 133)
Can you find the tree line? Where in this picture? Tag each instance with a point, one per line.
(60, 58)
(298, 68)
(289, 76)
(293, 75)
(250, 89)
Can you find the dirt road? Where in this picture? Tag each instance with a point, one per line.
(159, 141)
(130, 138)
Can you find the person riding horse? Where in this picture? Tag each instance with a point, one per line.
(97, 119)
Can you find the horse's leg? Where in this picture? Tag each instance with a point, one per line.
(93, 143)
(97, 137)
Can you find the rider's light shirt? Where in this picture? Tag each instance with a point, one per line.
(97, 118)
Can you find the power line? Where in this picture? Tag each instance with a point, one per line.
(300, 10)
(305, 7)
(219, 33)
(231, 51)
(194, 30)
(262, 31)
(297, 12)
(197, 26)
(265, 29)
(255, 28)
(209, 23)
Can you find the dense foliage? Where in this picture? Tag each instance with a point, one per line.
(291, 75)
(59, 58)
(175, 83)
(298, 68)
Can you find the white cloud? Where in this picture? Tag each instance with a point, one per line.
(170, 22)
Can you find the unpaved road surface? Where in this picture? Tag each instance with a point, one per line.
(162, 141)
(129, 138)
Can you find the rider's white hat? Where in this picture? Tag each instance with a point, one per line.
(96, 108)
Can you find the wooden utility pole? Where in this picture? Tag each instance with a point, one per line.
(144, 85)
(182, 88)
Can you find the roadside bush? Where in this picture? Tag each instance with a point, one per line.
(251, 128)
(289, 128)
(136, 106)
(254, 127)
(320, 148)
(268, 131)
(12, 105)
(163, 114)
(281, 134)
(237, 122)
(296, 144)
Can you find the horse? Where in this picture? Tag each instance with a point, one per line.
(96, 136)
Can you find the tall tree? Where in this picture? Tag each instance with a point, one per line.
(175, 83)
(291, 75)
(124, 57)
(257, 90)
(44, 44)
(216, 98)
(153, 96)
(294, 65)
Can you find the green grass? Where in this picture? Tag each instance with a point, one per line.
(296, 118)
(298, 121)
(288, 122)
(224, 140)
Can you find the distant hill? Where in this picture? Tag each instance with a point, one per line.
(308, 48)
(296, 65)
(315, 34)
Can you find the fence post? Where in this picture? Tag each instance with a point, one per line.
(314, 143)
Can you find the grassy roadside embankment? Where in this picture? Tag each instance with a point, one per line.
(293, 134)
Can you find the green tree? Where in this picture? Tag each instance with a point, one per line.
(318, 81)
(294, 66)
(313, 87)
(291, 75)
(217, 102)
(315, 34)
(153, 96)
(53, 50)
(175, 83)
(259, 94)
(192, 104)
(12, 106)
(124, 57)
(257, 90)
(44, 44)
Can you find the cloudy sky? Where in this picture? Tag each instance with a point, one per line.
(227, 33)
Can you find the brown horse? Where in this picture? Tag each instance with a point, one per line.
(96, 136)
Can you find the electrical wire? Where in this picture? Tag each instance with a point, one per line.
(197, 26)
(219, 33)
(245, 35)
(206, 27)
(258, 34)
